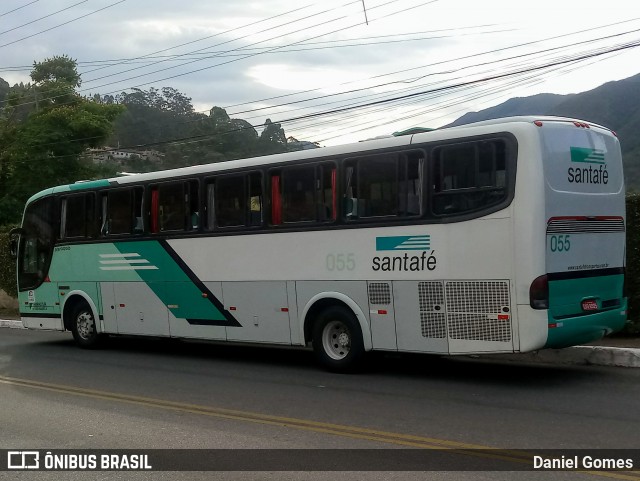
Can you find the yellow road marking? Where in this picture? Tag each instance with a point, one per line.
(354, 432)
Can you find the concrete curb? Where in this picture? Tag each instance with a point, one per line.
(581, 355)
(11, 324)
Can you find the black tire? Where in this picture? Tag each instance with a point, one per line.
(83, 327)
(337, 340)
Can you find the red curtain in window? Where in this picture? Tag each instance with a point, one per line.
(276, 201)
(334, 195)
(155, 202)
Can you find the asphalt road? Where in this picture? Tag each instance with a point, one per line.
(155, 394)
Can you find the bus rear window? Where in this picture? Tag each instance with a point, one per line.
(581, 160)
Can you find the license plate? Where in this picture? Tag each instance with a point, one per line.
(589, 305)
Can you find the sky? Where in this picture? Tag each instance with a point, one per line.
(329, 71)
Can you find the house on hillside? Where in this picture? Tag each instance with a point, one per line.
(121, 156)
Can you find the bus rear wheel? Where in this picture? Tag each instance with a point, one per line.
(337, 340)
(83, 326)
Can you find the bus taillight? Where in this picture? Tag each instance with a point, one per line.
(539, 293)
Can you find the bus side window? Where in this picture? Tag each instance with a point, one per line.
(468, 177)
(298, 194)
(255, 199)
(327, 195)
(104, 215)
(276, 200)
(194, 204)
(410, 184)
(138, 219)
(172, 211)
(230, 201)
(117, 212)
(211, 212)
(120, 212)
(379, 181)
(77, 216)
(372, 186)
(234, 201)
(155, 211)
(351, 191)
(384, 186)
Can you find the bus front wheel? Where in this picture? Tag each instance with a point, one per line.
(337, 340)
(83, 326)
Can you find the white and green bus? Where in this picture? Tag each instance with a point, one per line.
(501, 236)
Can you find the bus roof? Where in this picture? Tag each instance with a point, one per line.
(528, 119)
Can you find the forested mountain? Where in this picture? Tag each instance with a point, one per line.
(164, 120)
(615, 105)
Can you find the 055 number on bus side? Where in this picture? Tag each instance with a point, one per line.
(560, 243)
(340, 261)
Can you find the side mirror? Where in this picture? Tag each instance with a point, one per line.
(14, 239)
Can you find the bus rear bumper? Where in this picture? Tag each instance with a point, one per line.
(571, 331)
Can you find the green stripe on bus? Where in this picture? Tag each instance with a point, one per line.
(169, 282)
(91, 184)
(586, 155)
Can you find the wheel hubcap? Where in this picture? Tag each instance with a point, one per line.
(85, 325)
(336, 340)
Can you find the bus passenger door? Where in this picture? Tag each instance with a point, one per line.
(261, 307)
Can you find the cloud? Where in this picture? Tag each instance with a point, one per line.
(228, 53)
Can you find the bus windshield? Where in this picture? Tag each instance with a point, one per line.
(36, 244)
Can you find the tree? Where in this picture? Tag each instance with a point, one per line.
(153, 117)
(59, 70)
(4, 91)
(45, 147)
(273, 139)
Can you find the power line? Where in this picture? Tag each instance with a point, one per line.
(291, 121)
(574, 60)
(222, 43)
(321, 45)
(250, 24)
(63, 24)
(442, 89)
(42, 18)
(251, 55)
(438, 106)
(19, 8)
(471, 82)
(247, 56)
(435, 73)
(501, 49)
(355, 105)
(531, 80)
(125, 61)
